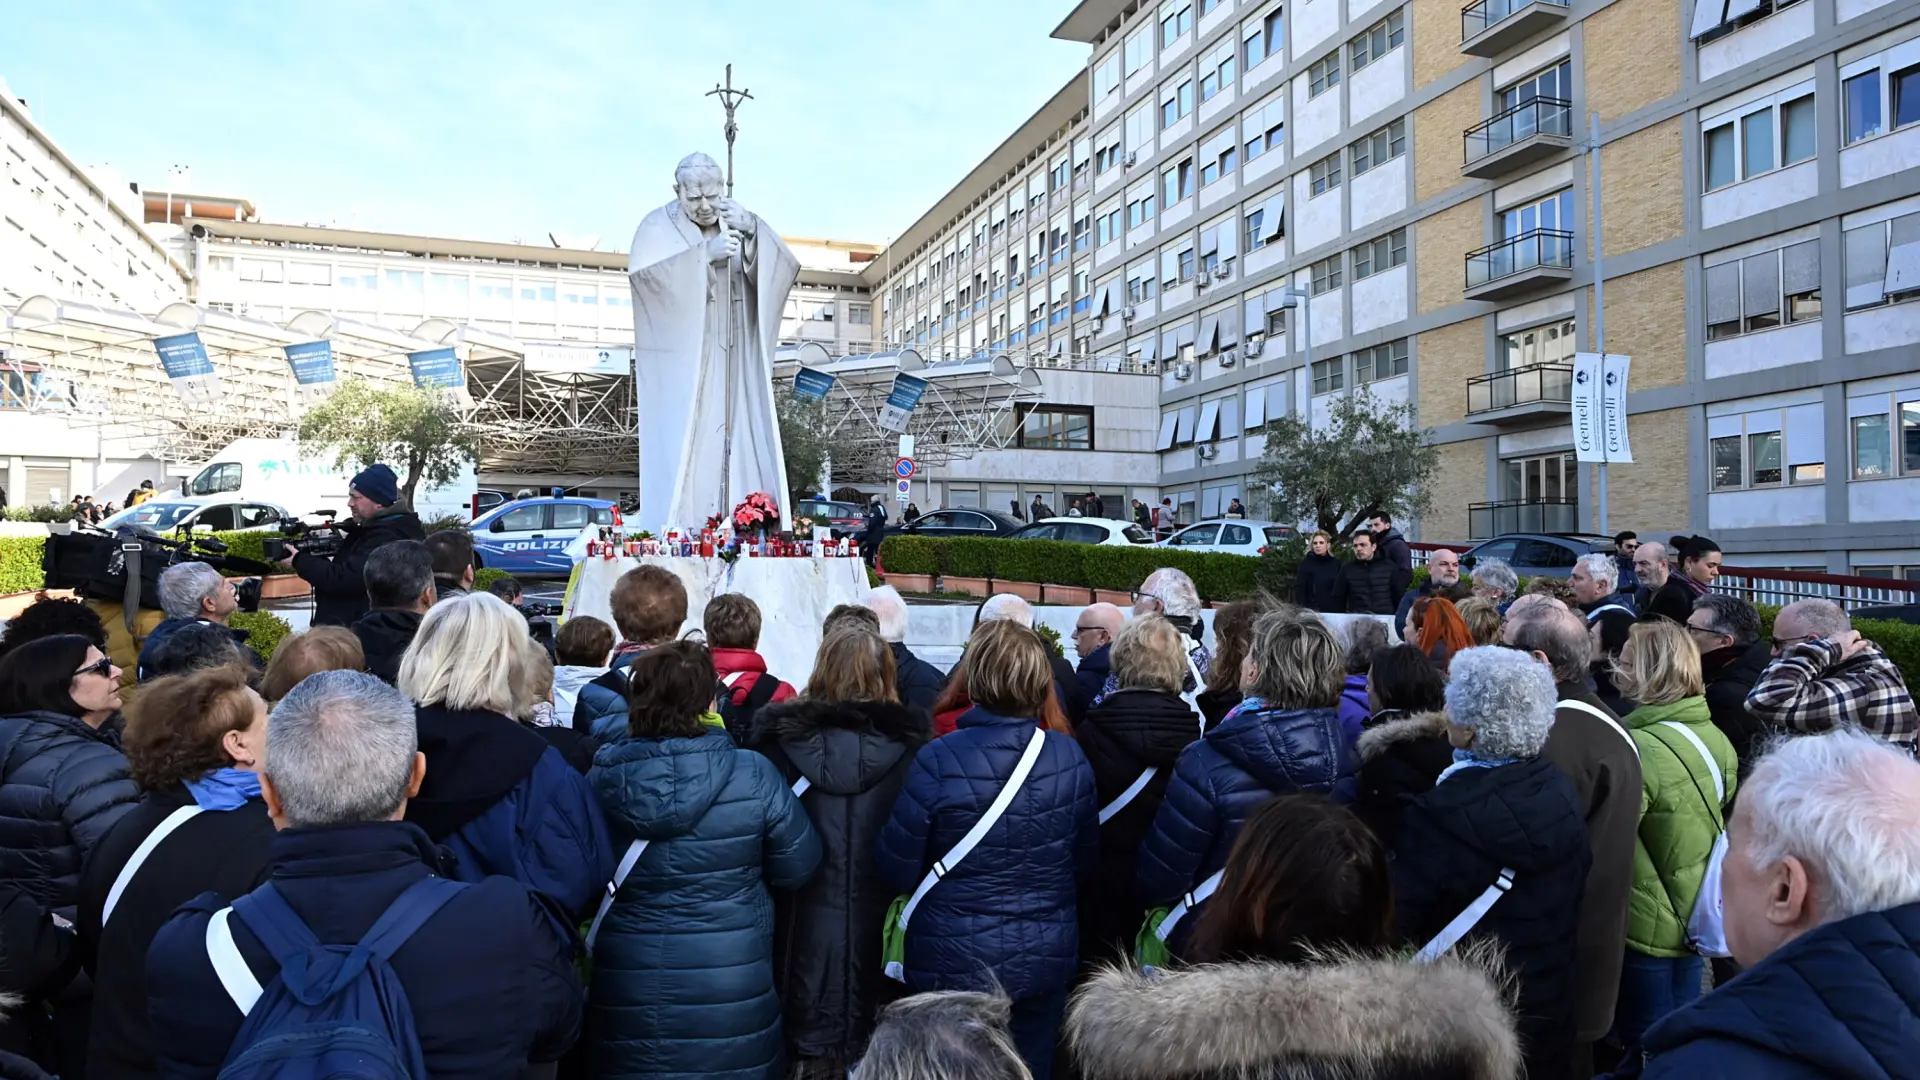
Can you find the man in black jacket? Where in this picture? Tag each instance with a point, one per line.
(400, 583)
(1733, 654)
(1366, 584)
(339, 586)
(1393, 549)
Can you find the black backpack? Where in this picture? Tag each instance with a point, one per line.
(739, 716)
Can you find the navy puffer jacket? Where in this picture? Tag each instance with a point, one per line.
(63, 784)
(1007, 913)
(601, 712)
(1255, 753)
(683, 968)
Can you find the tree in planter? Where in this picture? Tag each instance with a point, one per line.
(1368, 459)
(415, 429)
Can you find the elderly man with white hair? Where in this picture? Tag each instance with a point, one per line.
(1171, 593)
(191, 592)
(918, 682)
(1503, 816)
(1821, 898)
(1825, 675)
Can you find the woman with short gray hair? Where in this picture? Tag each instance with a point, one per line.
(499, 796)
(1495, 580)
(953, 1035)
(1501, 813)
(1285, 736)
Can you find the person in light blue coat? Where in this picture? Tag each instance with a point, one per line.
(683, 981)
(1006, 915)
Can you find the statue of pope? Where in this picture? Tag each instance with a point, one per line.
(710, 280)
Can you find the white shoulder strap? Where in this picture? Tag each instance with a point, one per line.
(733, 680)
(800, 786)
(1187, 903)
(1713, 767)
(229, 965)
(980, 828)
(1596, 612)
(1133, 791)
(160, 832)
(1599, 714)
(1463, 923)
(1192, 698)
(634, 851)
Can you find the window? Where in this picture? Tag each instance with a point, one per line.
(1379, 255)
(1540, 345)
(1186, 264)
(1265, 222)
(1773, 136)
(271, 271)
(1905, 85)
(1262, 38)
(1768, 448)
(1380, 362)
(1140, 211)
(860, 314)
(1175, 20)
(1329, 375)
(1555, 82)
(1264, 128)
(1377, 40)
(1207, 6)
(1107, 153)
(1718, 18)
(1106, 75)
(1218, 70)
(1324, 275)
(1139, 127)
(1882, 262)
(1139, 49)
(1176, 183)
(1323, 175)
(1176, 103)
(1763, 291)
(1106, 227)
(414, 281)
(1380, 147)
(1555, 212)
(1141, 283)
(1058, 176)
(1323, 75)
(306, 273)
(1219, 155)
(1551, 478)
(1864, 97)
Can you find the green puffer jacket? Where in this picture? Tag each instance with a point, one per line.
(1678, 821)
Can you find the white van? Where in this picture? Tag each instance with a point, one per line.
(274, 470)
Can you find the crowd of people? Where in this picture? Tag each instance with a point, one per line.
(1469, 834)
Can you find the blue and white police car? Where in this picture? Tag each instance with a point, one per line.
(530, 536)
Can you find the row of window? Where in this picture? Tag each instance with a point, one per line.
(1368, 365)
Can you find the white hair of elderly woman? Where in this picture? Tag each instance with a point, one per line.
(890, 608)
(1007, 606)
(948, 1035)
(1504, 697)
(1496, 576)
(1176, 592)
(467, 654)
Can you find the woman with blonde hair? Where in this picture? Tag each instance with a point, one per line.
(323, 648)
(1687, 770)
(496, 794)
(535, 709)
(1482, 617)
(1317, 583)
(845, 745)
(1004, 915)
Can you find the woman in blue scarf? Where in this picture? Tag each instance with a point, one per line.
(195, 744)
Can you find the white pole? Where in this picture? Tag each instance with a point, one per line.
(1599, 287)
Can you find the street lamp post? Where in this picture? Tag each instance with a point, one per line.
(1297, 300)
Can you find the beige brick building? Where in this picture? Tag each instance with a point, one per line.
(1415, 181)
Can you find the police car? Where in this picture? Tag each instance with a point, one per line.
(530, 536)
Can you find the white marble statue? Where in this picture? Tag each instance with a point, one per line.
(710, 280)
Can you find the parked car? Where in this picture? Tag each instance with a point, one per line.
(962, 522)
(530, 536)
(1535, 554)
(165, 516)
(843, 518)
(1231, 535)
(1085, 530)
(486, 499)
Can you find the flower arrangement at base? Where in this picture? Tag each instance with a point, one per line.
(756, 515)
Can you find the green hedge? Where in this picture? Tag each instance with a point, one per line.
(20, 563)
(484, 578)
(1216, 575)
(967, 556)
(911, 555)
(266, 630)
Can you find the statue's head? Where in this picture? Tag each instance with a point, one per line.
(699, 183)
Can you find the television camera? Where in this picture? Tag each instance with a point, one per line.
(321, 538)
(125, 565)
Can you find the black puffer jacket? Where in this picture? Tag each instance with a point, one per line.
(1317, 584)
(1129, 732)
(1366, 588)
(384, 636)
(339, 583)
(1399, 758)
(826, 946)
(1453, 843)
(1731, 673)
(62, 786)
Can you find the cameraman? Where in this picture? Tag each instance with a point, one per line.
(339, 581)
(190, 593)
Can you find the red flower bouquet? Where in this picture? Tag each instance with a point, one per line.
(757, 514)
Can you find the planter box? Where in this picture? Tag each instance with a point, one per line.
(920, 583)
(1073, 595)
(1025, 590)
(1118, 599)
(965, 586)
(282, 586)
(12, 604)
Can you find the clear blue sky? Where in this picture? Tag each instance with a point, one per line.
(507, 120)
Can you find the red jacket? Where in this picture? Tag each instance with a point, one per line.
(728, 662)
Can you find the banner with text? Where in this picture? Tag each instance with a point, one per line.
(1599, 407)
(188, 367)
(905, 397)
(811, 385)
(437, 368)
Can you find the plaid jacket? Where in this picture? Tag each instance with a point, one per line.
(1807, 689)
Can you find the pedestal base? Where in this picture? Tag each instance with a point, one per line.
(794, 597)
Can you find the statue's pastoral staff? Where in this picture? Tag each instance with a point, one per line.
(710, 281)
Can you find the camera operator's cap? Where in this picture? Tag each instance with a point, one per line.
(378, 483)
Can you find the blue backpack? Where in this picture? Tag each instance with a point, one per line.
(336, 1012)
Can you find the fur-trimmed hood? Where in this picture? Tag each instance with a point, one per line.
(843, 748)
(1343, 1018)
(1376, 739)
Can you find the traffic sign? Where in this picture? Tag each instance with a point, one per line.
(903, 491)
(904, 468)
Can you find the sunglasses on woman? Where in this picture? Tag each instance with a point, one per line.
(102, 668)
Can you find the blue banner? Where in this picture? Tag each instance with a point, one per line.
(901, 401)
(183, 356)
(437, 368)
(312, 362)
(811, 385)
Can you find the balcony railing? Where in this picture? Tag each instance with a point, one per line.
(1536, 249)
(1530, 385)
(1534, 116)
(1482, 15)
(1490, 519)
